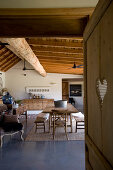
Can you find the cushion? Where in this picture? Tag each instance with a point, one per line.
(39, 120)
(78, 115)
(11, 118)
(12, 126)
(44, 115)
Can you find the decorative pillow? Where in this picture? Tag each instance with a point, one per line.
(11, 118)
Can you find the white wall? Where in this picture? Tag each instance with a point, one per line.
(47, 3)
(16, 82)
(2, 75)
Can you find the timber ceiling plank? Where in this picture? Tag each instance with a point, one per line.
(66, 42)
(58, 54)
(7, 58)
(3, 51)
(9, 65)
(11, 58)
(6, 64)
(57, 49)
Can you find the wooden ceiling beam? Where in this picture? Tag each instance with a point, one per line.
(8, 60)
(59, 58)
(65, 72)
(58, 49)
(22, 49)
(11, 65)
(2, 47)
(4, 51)
(55, 42)
(44, 22)
(58, 64)
(58, 54)
(6, 64)
(6, 57)
(60, 61)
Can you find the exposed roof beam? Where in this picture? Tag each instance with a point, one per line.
(22, 49)
(8, 60)
(57, 49)
(44, 22)
(60, 61)
(66, 42)
(11, 64)
(59, 58)
(3, 52)
(58, 54)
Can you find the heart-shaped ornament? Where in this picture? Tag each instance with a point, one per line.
(101, 89)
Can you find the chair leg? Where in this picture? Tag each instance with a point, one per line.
(44, 127)
(66, 126)
(53, 127)
(50, 122)
(21, 135)
(36, 128)
(76, 127)
(66, 131)
(71, 122)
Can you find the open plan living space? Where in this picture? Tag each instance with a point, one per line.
(56, 85)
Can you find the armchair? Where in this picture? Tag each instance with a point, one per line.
(9, 125)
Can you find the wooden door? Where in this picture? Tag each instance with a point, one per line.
(98, 50)
(65, 91)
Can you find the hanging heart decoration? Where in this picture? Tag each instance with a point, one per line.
(101, 86)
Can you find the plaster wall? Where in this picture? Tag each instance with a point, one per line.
(16, 82)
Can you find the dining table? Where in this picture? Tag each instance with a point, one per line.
(68, 110)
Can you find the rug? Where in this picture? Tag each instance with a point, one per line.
(59, 134)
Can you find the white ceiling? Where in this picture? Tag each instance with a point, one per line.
(47, 3)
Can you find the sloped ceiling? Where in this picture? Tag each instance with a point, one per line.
(7, 58)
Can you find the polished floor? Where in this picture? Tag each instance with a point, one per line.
(62, 155)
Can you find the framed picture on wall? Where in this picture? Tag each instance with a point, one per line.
(75, 90)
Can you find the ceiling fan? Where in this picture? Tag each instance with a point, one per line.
(24, 68)
(77, 66)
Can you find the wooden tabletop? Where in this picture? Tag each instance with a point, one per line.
(69, 109)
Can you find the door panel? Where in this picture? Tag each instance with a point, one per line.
(107, 72)
(98, 48)
(94, 115)
(65, 91)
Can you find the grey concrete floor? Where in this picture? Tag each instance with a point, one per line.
(61, 155)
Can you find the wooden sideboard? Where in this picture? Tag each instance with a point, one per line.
(38, 104)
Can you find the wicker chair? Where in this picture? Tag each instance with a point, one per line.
(59, 122)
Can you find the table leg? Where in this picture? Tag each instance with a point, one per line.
(71, 122)
(53, 127)
(49, 122)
